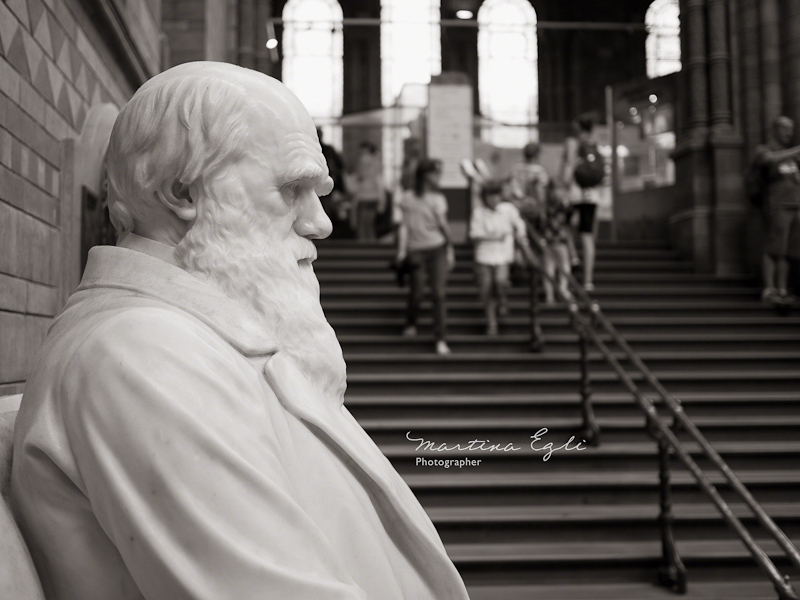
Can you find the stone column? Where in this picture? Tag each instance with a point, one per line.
(729, 202)
(790, 56)
(216, 30)
(695, 63)
(772, 101)
(691, 227)
(710, 228)
(751, 72)
(719, 65)
(247, 16)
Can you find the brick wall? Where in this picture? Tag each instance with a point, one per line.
(56, 62)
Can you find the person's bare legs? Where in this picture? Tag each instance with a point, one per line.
(550, 272)
(561, 252)
(485, 278)
(768, 276)
(502, 283)
(588, 244)
(782, 275)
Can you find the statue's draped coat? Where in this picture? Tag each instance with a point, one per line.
(165, 450)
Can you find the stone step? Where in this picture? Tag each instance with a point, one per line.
(520, 343)
(676, 381)
(568, 361)
(534, 405)
(332, 265)
(603, 277)
(376, 247)
(597, 522)
(698, 590)
(326, 249)
(395, 308)
(437, 487)
(557, 322)
(605, 562)
(607, 293)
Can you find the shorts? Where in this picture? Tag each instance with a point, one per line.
(783, 233)
(586, 216)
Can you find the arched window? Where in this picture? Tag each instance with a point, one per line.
(508, 71)
(411, 49)
(663, 45)
(312, 60)
(411, 52)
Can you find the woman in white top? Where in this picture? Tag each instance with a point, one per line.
(424, 241)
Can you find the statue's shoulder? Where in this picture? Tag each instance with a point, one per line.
(84, 335)
(150, 348)
(150, 324)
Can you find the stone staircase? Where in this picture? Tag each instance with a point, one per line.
(581, 525)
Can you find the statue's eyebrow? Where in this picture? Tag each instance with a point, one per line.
(303, 172)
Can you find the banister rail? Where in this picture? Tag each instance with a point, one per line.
(672, 573)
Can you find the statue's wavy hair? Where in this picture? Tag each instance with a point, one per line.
(173, 129)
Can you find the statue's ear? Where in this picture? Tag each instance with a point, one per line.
(177, 197)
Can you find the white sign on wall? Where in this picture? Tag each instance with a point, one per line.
(449, 126)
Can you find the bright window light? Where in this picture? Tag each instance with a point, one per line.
(312, 55)
(508, 82)
(410, 45)
(663, 45)
(313, 59)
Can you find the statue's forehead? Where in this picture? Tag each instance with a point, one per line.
(284, 128)
(280, 115)
(299, 145)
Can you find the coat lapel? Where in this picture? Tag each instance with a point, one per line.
(347, 437)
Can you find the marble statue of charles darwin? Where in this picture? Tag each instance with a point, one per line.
(182, 435)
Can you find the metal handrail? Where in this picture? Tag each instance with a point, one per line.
(585, 327)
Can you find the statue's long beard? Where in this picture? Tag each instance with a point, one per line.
(236, 251)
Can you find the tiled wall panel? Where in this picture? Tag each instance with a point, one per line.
(55, 64)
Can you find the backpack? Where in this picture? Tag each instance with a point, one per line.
(755, 183)
(590, 168)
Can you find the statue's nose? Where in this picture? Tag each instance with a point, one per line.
(312, 222)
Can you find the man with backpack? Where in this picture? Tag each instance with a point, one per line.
(582, 171)
(779, 165)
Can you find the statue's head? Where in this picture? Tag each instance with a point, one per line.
(198, 127)
(225, 164)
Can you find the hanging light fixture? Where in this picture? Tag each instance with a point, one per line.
(272, 42)
(463, 9)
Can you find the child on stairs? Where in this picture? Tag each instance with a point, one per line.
(495, 226)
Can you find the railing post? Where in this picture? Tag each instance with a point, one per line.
(786, 591)
(537, 337)
(671, 572)
(590, 430)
